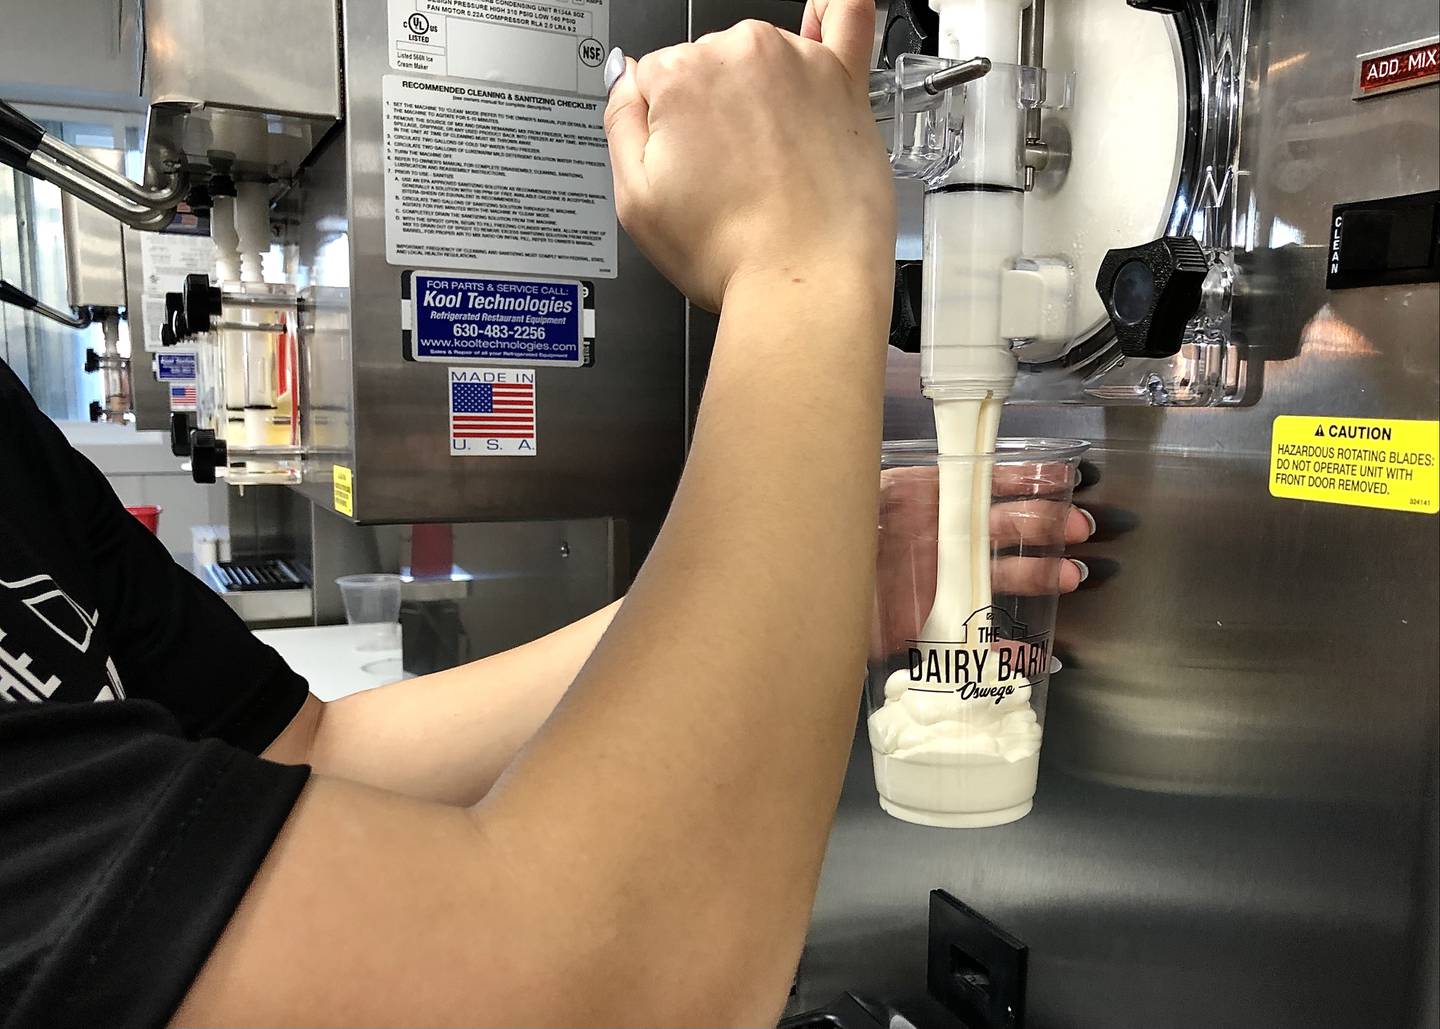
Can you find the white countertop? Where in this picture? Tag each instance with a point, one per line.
(326, 656)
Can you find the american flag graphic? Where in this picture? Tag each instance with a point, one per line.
(182, 395)
(492, 410)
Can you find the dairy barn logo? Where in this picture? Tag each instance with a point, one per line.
(993, 655)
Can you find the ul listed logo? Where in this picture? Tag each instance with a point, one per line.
(418, 24)
(592, 52)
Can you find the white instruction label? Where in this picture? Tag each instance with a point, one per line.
(496, 179)
(165, 260)
(554, 44)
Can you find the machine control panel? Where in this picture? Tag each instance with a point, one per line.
(1388, 242)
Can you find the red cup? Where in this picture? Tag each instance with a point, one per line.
(149, 516)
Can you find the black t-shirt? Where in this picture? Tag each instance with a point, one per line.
(133, 810)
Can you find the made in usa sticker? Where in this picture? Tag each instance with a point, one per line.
(492, 412)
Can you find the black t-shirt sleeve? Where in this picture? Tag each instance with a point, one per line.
(125, 850)
(173, 640)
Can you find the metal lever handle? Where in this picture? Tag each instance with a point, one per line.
(28, 147)
(883, 83)
(19, 298)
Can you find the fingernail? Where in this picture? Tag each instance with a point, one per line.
(614, 68)
(1082, 568)
(1089, 519)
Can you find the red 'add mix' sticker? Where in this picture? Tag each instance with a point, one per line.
(1398, 67)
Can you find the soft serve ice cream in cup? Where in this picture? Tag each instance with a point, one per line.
(962, 648)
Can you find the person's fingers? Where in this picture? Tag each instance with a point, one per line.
(627, 129)
(846, 28)
(1035, 576)
(1079, 525)
(1036, 523)
(810, 20)
(1032, 478)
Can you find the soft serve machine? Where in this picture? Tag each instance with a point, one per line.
(1170, 227)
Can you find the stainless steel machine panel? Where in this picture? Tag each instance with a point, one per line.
(249, 88)
(610, 436)
(1236, 818)
(94, 249)
(282, 57)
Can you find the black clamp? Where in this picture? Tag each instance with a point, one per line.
(207, 453)
(201, 304)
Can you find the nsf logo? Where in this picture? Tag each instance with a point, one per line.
(592, 52)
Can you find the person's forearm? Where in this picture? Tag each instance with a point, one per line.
(700, 751)
(448, 736)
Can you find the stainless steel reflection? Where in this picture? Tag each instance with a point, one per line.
(1236, 821)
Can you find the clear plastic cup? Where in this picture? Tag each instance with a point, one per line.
(961, 652)
(374, 600)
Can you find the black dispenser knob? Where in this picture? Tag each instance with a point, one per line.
(1151, 292)
(201, 305)
(1159, 6)
(206, 455)
(905, 315)
(96, 411)
(92, 361)
(173, 329)
(180, 429)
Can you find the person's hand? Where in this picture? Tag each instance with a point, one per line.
(752, 153)
(1037, 529)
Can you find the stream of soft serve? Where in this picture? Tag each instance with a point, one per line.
(962, 582)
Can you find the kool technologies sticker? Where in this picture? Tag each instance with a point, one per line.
(497, 321)
(173, 367)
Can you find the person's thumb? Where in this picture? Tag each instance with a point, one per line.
(627, 129)
(847, 29)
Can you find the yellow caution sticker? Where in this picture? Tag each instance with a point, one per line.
(344, 480)
(1364, 462)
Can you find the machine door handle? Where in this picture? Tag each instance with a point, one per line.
(19, 298)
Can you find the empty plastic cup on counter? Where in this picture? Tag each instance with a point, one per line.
(970, 554)
(374, 600)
